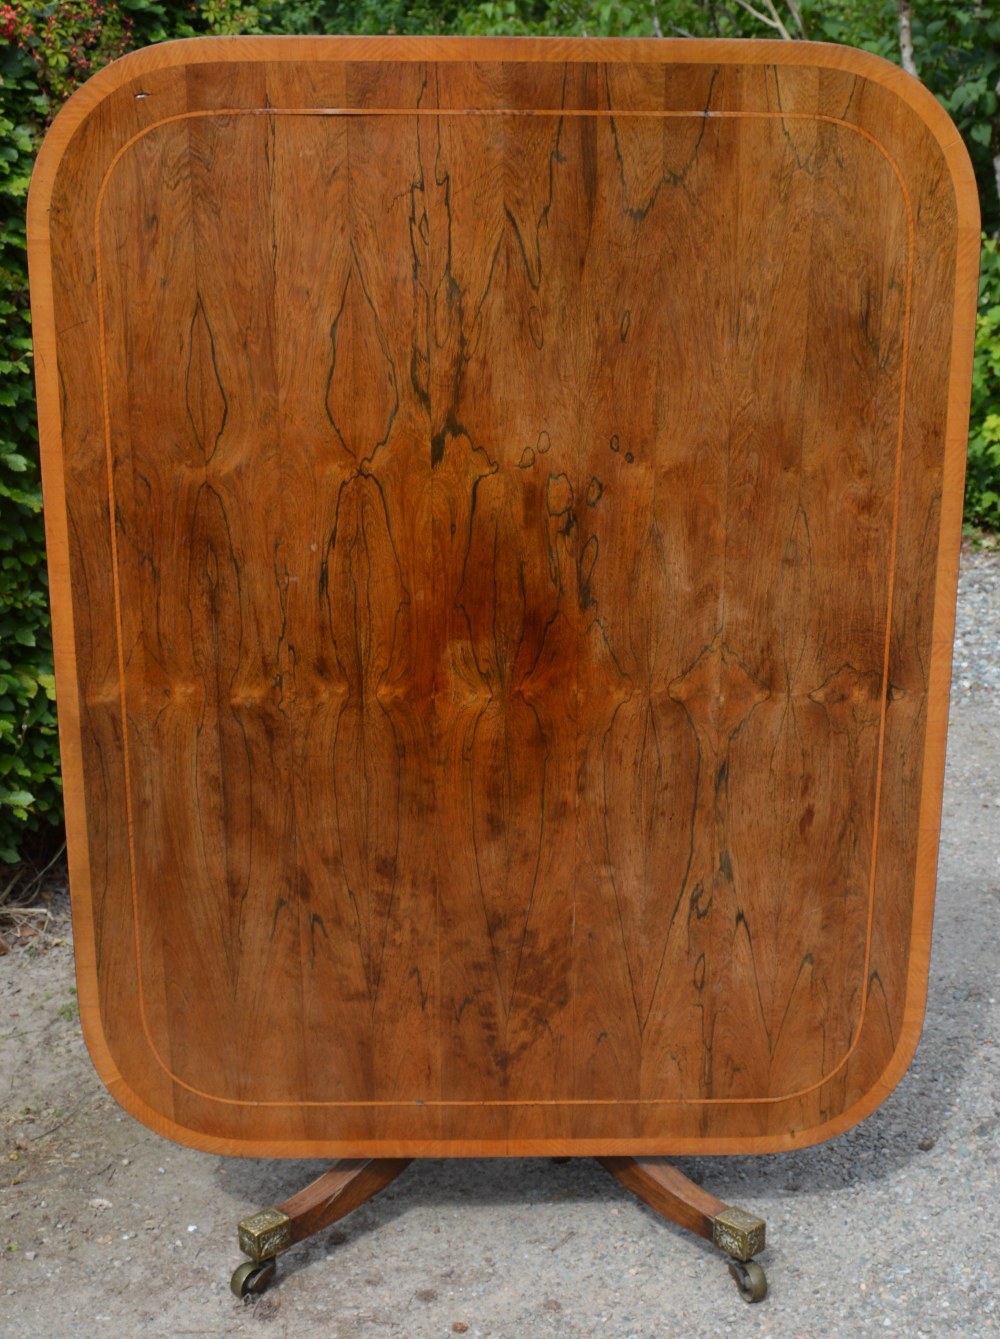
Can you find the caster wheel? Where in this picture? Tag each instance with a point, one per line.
(251, 1277)
(750, 1280)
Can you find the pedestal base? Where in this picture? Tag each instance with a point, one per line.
(264, 1235)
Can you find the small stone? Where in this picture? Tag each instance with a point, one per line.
(926, 1144)
(459, 1327)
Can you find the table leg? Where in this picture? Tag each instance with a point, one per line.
(660, 1185)
(264, 1235)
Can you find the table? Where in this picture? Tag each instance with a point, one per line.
(503, 501)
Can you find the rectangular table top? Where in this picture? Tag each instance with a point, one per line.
(503, 502)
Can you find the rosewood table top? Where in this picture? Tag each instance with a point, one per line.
(503, 502)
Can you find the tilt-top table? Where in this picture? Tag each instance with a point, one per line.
(503, 502)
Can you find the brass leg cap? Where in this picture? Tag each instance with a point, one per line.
(738, 1233)
(265, 1234)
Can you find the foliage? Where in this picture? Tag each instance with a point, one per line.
(29, 764)
(982, 481)
(66, 41)
(48, 47)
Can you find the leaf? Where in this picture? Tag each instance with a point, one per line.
(17, 797)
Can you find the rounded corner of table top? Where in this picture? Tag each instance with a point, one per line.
(129, 1098)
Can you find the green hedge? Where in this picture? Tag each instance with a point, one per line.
(29, 763)
(982, 479)
(49, 48)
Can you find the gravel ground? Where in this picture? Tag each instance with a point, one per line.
(106, 1229)
(976, 667)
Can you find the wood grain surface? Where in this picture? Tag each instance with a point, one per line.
(503, 505)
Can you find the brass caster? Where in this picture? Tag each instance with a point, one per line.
(750, 1279)
(251, 1277)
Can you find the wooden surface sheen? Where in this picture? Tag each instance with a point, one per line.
(503, 502)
